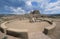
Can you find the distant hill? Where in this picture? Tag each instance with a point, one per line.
(53, 14)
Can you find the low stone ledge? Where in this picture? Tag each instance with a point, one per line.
(3, 25)
(49, 29)
(16, 30)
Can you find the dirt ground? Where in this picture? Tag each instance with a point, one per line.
(56, 33)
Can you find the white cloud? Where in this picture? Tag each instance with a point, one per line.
(53, 7)
(30, 11)
(44, 3)
(41, 3)
(17, 10)
(28, 3)
(35, 0)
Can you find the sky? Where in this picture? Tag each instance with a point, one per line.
(26, 6)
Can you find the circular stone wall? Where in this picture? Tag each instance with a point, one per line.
(26, 25)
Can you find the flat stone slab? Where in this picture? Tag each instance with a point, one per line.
(37, 35)
(51, 26)
(8, 36)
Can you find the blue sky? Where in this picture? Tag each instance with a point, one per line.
(25, 6)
